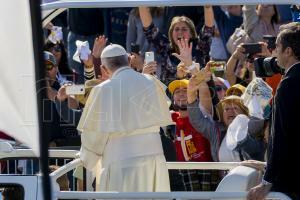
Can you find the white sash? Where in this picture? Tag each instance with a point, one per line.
(123, 148)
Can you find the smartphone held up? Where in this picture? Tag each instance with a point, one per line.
(252, 48)
(75, 89)
(217, 68)
(149, 57)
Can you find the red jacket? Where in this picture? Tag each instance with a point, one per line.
(197, 147)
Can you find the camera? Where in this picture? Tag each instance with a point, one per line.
(267, 67)
(271, 41)
(252, 48)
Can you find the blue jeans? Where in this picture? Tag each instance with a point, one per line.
(78, 67)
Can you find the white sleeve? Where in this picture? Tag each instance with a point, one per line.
(92, 147)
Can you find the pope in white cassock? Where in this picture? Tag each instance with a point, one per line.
(120, 128)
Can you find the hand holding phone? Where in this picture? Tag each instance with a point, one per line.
(149, 57)
(75, 89)
(150, 68)
(194, 68)
(217, 67)
(271, 41)
(252, 48)
(200, 76)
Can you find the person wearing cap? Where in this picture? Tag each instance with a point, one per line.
(234, 122)
(120, 127)
(51, 69)
(57, 127)
(54, 80)
(190, 145)
(236, 89)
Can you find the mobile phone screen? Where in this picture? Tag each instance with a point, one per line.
(252, 48)
(149, 57)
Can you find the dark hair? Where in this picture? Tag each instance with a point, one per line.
(63, 65)
(276, 17)
(289, 36)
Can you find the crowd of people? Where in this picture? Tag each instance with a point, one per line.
(222, 87)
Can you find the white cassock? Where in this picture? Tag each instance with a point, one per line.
(120, 127)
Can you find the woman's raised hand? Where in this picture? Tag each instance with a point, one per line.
(150, 68)
(185, 50)
(99, 45)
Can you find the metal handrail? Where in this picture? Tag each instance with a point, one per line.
(28, 153)
(163, 195)
(59, 153)
(9, 151)
(66, 168)
(135, 3)
(170, 165)
(146, 195)
(202, 165)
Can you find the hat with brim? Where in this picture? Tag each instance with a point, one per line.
(177, 84)
(113, 50)
(232, 99)
(236, 89)
(88, 86)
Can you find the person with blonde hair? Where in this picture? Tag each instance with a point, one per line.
(236, 136)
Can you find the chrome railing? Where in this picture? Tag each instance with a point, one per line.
(137, 195)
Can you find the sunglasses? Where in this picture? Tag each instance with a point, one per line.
(49, 67)
(220, 88)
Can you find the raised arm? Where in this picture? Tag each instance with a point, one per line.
(205, 35)
(219, 14)
(99, 45)
(131, 31)
(209, 16)
(201, 122)
(232, 62)
(250, 17)
(206, 126)
(152, 33)
(204, 92)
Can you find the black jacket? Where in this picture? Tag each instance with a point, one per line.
(283, 150)
(86, 21)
